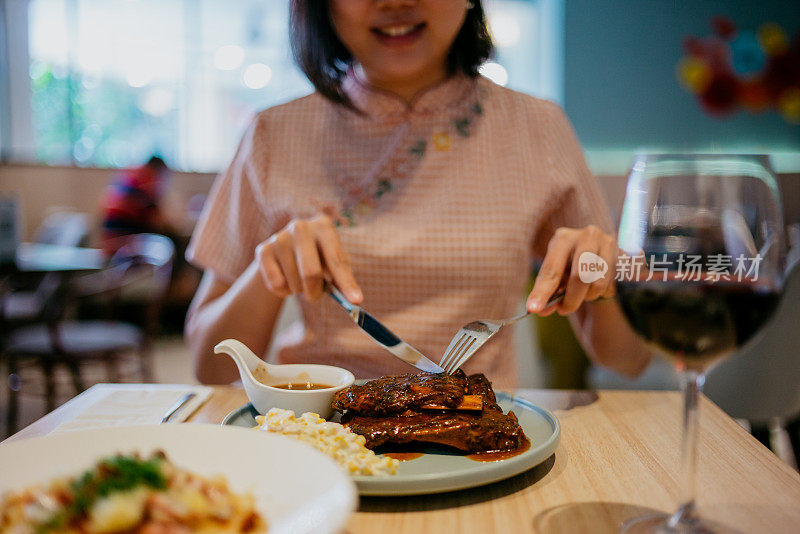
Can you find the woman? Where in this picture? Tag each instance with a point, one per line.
(420, 188)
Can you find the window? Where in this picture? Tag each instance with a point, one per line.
(110, 82)
(5, 124)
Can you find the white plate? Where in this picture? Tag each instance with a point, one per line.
(297, 489)
(437, 472)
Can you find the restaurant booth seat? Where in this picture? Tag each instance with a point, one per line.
(60, 341)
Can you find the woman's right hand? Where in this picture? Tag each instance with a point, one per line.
(299, 257)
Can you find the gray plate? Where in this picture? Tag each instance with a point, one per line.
(438, 471)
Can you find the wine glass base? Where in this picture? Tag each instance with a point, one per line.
(659, 524)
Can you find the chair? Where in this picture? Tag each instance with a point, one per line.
(9, 229)
(761, 383)
(68, 228)
(70, 343)
(20, 305)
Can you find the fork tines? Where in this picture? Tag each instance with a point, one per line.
(458, 348)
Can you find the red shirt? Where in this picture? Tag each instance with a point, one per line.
(130, 202)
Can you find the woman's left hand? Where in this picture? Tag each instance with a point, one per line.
(562, 264)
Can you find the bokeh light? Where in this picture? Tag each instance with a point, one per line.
(505, 29)
(256, 76)
(228, 57)
(495, 72)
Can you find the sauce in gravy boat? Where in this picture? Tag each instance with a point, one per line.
(265, 384)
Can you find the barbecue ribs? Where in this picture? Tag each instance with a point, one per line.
(389, 411)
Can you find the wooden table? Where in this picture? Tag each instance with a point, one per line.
(618, 458)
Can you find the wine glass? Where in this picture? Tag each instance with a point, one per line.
(700, 272)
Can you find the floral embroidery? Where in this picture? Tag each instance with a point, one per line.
(418, 148)
(364, 207)
(441, 141)
(462, 126)
(384, 186)
(361, 201)
(346, 217)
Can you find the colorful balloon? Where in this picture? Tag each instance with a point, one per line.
(723, 26)
(789, 104)
(746, 54)
(694, 74)
(773, 39)
(752, 70)
(721, 95)
(753, 96)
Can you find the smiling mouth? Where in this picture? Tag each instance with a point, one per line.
(398, 30)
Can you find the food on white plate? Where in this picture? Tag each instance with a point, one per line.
(333, 439)
(130, 494)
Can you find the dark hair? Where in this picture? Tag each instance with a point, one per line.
(156, 162)
(322, 56)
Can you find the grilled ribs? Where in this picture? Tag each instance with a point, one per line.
(388, 411)
(396, 394)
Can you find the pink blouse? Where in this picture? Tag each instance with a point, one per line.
(442, 205)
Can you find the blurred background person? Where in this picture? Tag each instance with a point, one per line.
(132, 201)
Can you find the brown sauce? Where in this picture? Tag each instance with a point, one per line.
(496, 456)
(406, 452)
(404, 456)
(303, 386)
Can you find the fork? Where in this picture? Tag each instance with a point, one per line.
(473, 335)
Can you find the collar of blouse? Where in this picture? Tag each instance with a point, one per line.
(377, 103)
(433, 121)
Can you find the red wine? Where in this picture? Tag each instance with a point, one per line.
(696, 322)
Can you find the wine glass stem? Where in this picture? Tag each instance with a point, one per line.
(692, 384)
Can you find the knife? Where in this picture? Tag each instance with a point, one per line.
(177, 406)
(382, 335)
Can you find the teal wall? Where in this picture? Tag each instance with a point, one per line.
(620, 87)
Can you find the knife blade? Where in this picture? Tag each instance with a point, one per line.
(382, 335)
